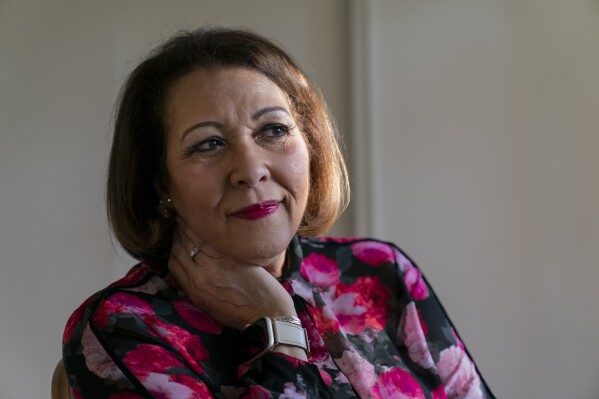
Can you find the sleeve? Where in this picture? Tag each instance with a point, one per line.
(281, 376)
(120, 349)
(429, 337)
(110, 353)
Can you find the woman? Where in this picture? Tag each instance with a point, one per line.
(224, 169)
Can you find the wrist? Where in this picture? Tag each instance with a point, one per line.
(292, 351)
(283, 334)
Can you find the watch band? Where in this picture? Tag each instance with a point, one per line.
(289, 319)
(262, 336)
(288, 333)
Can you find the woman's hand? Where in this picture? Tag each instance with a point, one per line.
(234, 293)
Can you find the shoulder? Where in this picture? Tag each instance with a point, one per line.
(369, 251)
(141, 279)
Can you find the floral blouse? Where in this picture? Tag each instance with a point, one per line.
(375, 327)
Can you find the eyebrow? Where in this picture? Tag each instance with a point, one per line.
(255, 116)
(266, 110)
(199, 125)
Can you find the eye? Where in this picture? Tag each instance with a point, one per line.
(275, 130)
(210, 144)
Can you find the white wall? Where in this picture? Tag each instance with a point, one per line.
(480, 144)
(61, 65)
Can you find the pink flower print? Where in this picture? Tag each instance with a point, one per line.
(133, 276)
(458, 374)
(199, 389)
(152, 286)
(373, 253)
(163, 386)
(397, 383)
(320, 270)
(412, 277)
(326, 378)
(120, 303)
(319, 353)
(302, 289)
(96, 358)
(416, 285)
(257, 392)
(349, 314)
(72, 322)
(402, 262)
(457, 339)
(358, 370)
(290, 392)
(439, 393)
(197, 318)
(146, 359)
(369, 294)
(412, 332)
(188, 345)
(325, 320)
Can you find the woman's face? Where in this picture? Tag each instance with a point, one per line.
(238, 166)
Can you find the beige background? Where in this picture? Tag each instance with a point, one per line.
(472, 129)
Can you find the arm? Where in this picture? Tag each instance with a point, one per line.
(430, 338)
(124, 351)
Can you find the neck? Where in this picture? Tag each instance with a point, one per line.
(277, 266)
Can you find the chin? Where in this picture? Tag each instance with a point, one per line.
(264, 248)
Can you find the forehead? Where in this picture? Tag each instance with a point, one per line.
(216, 91)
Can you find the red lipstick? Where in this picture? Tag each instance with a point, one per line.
(257, 211)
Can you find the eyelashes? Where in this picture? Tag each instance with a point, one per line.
(268, 133)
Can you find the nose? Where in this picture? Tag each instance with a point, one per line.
(249, 166)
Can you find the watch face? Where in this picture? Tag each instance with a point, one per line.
(256, 339)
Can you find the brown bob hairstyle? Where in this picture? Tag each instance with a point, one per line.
(137, 158)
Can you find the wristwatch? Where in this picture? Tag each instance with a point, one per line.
(263, 335)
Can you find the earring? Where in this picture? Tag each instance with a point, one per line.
(165, 207)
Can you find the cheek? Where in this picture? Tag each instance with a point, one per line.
(298, 169)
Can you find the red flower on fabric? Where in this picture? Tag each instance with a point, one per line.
(324, 320)
(199, 389)
(196, 317)
(397, 383)
(362, 304)
(146, 359)
(188, 345)
(320, 270)
(373, 253)
(121, 303)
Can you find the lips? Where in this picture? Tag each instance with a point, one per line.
(257, 211)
